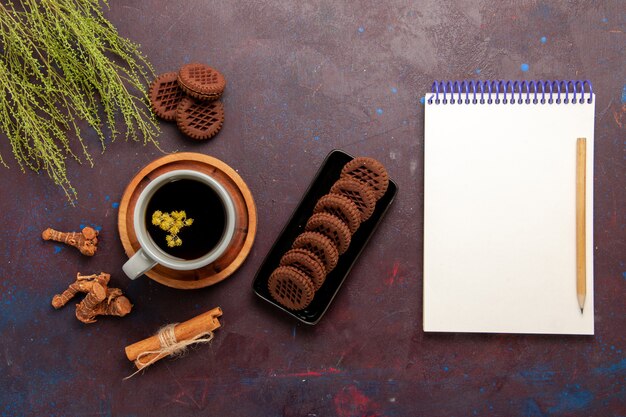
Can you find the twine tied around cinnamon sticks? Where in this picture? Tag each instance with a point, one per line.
(173, 340)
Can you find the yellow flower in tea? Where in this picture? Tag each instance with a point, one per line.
(173, 241)
(171, 223)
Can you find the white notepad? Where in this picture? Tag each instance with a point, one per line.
(500, 207)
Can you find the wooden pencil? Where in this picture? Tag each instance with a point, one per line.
(581, 258)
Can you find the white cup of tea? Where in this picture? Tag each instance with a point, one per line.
(204, 200)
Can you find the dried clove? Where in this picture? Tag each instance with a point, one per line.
(99, 301)
(83, 283)
(86, 241)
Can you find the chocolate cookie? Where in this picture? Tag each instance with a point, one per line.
(201, 81)
(307, 262)
(368, 171)
(359, 193)
(332, 227)
(342, 207)
(165, 95)
(321, 246)
(199, 120)
(291, 287)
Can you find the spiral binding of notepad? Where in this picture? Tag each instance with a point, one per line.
(505, 92)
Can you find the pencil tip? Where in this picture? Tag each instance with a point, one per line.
(581, 310)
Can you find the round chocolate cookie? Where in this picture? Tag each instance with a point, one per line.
(321, 246)
(359, 193)
(342, 207)
(368, 171)
(307, 262)
(165, 95)
(201, 81)
(291, 287)
(332, 227)
(199, 120)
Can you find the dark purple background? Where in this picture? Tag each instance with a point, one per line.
(305, 78)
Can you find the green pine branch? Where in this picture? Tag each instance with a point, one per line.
(63, 62)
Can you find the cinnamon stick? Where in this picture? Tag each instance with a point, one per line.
(206, 322)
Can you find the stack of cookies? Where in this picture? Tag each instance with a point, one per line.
(191, 97)
(328, 232)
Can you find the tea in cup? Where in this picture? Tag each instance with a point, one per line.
(183, 220)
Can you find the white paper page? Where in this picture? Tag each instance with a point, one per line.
(500, 218)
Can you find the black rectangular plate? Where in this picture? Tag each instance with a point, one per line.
(328, 173)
